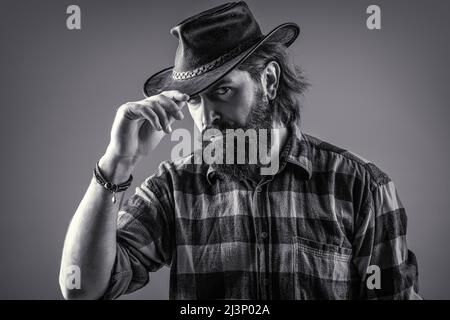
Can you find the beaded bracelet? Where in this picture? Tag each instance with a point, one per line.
(111, 187)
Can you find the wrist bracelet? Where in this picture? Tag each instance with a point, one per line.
(111, 187)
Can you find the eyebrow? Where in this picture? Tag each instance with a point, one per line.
(221, 82)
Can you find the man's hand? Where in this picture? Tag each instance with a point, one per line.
(91, 239)
(138, 126)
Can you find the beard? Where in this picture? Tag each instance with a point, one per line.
(260, 117)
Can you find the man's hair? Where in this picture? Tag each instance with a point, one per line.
(292, 83)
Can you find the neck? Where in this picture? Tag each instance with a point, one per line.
(279, 137)
(280, 134)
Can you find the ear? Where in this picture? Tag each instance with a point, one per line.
(271, 78)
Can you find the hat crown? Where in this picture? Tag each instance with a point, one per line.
(213, 33)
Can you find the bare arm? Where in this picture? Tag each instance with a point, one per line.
(90, 243)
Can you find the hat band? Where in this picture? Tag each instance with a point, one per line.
(184, 75)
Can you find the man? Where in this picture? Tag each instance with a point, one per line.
(324, 224)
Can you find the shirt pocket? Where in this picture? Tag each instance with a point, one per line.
(320, 270)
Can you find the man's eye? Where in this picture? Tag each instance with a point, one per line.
(222, 90)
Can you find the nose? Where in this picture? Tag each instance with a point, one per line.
(209, 115)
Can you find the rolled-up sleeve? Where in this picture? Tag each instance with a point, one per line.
(144, 239)
(380, 247)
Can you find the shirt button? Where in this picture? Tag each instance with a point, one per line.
(263, 234)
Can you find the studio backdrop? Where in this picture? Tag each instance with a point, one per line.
(381, 92)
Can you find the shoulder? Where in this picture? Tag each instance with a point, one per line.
(326, 154)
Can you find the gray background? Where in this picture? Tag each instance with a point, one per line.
(382, 94)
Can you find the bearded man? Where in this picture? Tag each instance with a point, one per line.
(317, 227)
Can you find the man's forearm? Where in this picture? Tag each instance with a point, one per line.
(90, 242)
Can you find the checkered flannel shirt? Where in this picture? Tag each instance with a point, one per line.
(321, 228)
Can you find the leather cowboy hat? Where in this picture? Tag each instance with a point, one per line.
(211, 44)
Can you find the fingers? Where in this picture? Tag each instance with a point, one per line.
(136, 111)
(171, 107)
(175, 95)
(152, 117)
(158, 109)
(163, 117)
(166, 105)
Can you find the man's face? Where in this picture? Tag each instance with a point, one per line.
(236, 102)
(229, 101)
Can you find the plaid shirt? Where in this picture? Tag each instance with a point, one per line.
(309, 232)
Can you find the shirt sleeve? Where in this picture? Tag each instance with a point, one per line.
(144, 238)
(386, 268)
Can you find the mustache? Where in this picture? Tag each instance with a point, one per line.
(220, 125)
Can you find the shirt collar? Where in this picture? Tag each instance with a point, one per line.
(295, 151)
(299, 153)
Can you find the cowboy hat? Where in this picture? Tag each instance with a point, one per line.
(211, 44)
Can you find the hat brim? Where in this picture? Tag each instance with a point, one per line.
(163, 80)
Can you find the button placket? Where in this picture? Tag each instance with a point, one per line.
(261, 202)
(260, 229)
